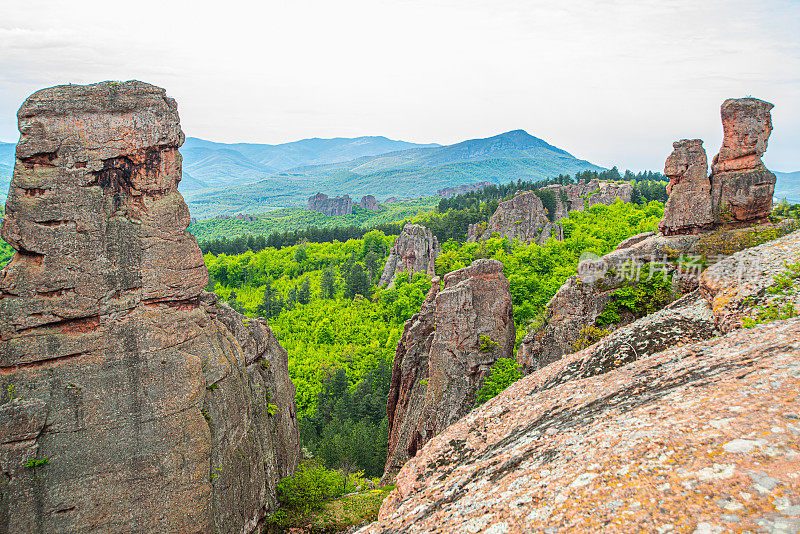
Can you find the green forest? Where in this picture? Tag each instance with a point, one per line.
(341, 330)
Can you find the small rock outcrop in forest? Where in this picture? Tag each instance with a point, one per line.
(369, 203)
(447, 350)
(131, 401)
(332, 207)
(414, 251)
(689, 209)
(533, 216)
(664, 426)
(450, 192)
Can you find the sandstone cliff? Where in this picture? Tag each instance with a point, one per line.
(332, 207)
(525, 217)
(664, 426)
(414, 251)
(689, 208)
(445, 354)
(131, 401)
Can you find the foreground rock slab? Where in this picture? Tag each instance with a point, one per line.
(703, 437)
(131, 402)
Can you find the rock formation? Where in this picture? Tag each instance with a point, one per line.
(688, 209)
(663, 426)
(739, 191)
(742, 187)
(446, 352)
(369, 203)
(526, 218)
(450, 192)
(332, 207)
(414, 251)
(131, 401)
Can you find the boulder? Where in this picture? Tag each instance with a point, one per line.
(414, 251)
(129, 405)
(332, 207)
(688, 209)
(369, 203)
(445, 354)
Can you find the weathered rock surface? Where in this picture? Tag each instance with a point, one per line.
(525, 217)
(445, 354)
(148, 401)
(450, 192)
(332, 207)
(655, 428)
(742, 187)
(414, 251)
(698, 438)
(688, 209)
(368, 202)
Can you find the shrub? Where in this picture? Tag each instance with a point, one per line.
(505, 372)
(487, 344)
(589, 335)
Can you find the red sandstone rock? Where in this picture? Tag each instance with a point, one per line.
(368, 202)
(414, 251)
(445, 354)
(742, 187)
(332, 207)
(148, 401)
(688, 209)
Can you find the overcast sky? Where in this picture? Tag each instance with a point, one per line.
(614, 82)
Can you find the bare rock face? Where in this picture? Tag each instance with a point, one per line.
(414, 251)
(369, 203)
(147, 411)
(663, 410)
(332, 207)
(742, 187)
(445, 354)
(689, 209)
(526, 218)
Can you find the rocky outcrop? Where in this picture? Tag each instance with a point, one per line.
(739, 191)
(131, 401)
(525, 217)
(742, 187)
(445, 354)
(662, 426)
(689, 209)
(368, 202)
(450, 192)
(414, 251)
(332, 207)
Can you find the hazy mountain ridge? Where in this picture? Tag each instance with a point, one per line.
(414, 172)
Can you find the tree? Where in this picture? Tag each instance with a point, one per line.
(357, 282)
(327, 284)
(271, 304)
(304, 293)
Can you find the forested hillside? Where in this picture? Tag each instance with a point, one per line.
(341, 331)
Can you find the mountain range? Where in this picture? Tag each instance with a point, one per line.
(412, 171)
(221, 178)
